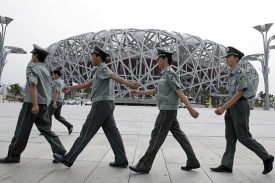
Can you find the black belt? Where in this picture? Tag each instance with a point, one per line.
(242, 98)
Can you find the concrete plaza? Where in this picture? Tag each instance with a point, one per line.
(135, 124)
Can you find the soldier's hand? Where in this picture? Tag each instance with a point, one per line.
(134, 92)
(66, 89)
(134, 85)
(194, 113)
(54, 105)
(219, 111)
(35, 109)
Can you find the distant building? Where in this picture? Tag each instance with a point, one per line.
(199, 64)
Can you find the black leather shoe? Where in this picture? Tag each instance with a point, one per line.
(70, 129)
(134, 168)
(7, 160)
(60, 159)
(121, 165)
(188, 168)
(222, 168)
(268, 165)
(54, 161)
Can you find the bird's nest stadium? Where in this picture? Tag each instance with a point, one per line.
(199, 64)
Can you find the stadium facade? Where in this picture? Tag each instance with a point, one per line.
(199, 64)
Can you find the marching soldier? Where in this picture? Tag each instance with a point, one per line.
(237, 116)
(168, 94)
(57, 100)
(34, 109)
(101, 113)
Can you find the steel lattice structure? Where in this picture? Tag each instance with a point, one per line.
(198, 63)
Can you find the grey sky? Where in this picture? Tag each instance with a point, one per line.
(47, 21)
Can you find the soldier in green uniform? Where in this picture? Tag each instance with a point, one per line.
(237, 116)
(34, 109)
(57, 100)
(101, 113)
(168, 92)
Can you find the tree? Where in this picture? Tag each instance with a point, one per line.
(16, 90)
(223, 90)
(205, 95)
(261, 94)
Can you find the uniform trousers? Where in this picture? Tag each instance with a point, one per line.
(24, 125)
(237, 128)
(166, 121)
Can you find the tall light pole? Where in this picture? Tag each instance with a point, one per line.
(260, 58)
(4, 21)
(265, 69)
(7, 50)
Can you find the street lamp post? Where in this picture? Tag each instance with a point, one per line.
(4, 21)
(265, 70)
(7, 50)
(260, 58)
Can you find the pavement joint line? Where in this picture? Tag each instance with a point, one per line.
(166, 165)
(243, 174)
(97, 165)
(201, 143)
(32, 159)
(207, 174)
(248, 157)
(49, 173)
(134, 154)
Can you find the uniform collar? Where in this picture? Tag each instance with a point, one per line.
(234, 70)
(164, 70)
(36, 63)
(101, 64)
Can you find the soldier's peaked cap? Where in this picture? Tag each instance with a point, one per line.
(233, 51)
(37, 48)
(163, 53)
(100, 51)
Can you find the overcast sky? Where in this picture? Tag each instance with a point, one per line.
(44, 22)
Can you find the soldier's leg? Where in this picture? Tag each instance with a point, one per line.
(51, 111)
(22, 132)
(43, 124)
(111, 131)
(162, 125)
(241, 122)
(57, 115)
(231, 140)
(98, 114)
(180, 136)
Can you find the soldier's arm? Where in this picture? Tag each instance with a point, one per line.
(147, 92)
(33, 81)
(56, 91)
(33, 91)
(132, 85)
(82, 85)
(183, 98)
(55, 96)
(233, 100)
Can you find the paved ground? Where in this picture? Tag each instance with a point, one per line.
(135, 124)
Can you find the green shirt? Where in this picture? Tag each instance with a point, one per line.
(38, 74)
(166, 90)
(238, 80)
(102, 88)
